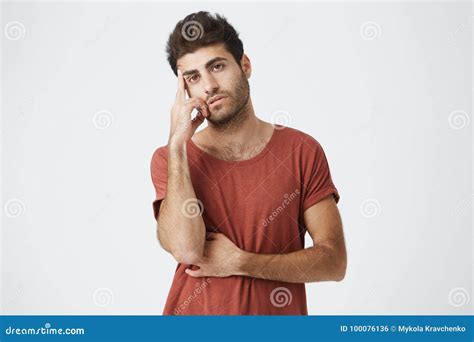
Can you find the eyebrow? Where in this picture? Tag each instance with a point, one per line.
(208, 64)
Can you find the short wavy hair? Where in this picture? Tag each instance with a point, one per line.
(202, 29)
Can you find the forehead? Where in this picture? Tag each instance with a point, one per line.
(199, 57)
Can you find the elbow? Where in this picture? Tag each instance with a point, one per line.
(180, 252)
(183, 251)
(182, 255)
(338, 263)
(341, 270)
(186, 257)
(341, 274)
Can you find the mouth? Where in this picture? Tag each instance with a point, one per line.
(215, 99)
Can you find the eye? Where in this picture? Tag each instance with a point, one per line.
(217, 66)
(193, 78)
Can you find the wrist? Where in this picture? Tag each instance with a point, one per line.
(243, 262)
(176, 145)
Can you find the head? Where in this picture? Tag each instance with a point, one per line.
(208, 52)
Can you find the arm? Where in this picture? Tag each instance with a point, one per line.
(181, 230)
(325, 260)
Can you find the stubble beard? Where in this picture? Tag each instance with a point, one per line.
(238, 111)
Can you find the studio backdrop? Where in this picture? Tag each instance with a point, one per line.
(385, 88)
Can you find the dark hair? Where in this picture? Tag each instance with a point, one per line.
(201, 29)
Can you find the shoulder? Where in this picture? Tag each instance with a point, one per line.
(160, 153)
(299, 138)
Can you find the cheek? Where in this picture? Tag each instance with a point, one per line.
(225, 80)
(235, 84)
(196, 91)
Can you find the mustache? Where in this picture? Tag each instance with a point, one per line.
(217, 94)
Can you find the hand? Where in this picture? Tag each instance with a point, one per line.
(182, 127)
(222, 258)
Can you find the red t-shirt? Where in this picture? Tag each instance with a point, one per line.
(257, 203)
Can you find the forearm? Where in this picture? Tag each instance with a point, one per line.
(181, 227)
(316, 263)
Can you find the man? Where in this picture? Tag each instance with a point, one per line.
(234, 201)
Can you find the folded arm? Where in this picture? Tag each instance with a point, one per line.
(325, 261)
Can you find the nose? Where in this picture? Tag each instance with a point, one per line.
(210, 85)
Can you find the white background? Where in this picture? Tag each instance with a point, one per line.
(86, 91)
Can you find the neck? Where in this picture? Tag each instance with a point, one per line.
(246, 129)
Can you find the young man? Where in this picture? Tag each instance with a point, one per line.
(234, 201)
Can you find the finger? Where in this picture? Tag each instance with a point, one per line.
(194, 273)
(205, 111)
(198, 120)
(195, 102)
(203, 108)
(180, 93)
(199, 105)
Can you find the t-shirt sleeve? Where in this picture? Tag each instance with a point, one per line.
(159, 177)
(317, 180)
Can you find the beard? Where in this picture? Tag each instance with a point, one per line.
(234, 110)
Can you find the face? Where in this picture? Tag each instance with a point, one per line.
(211, 71)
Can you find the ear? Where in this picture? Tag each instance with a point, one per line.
(246, 65)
